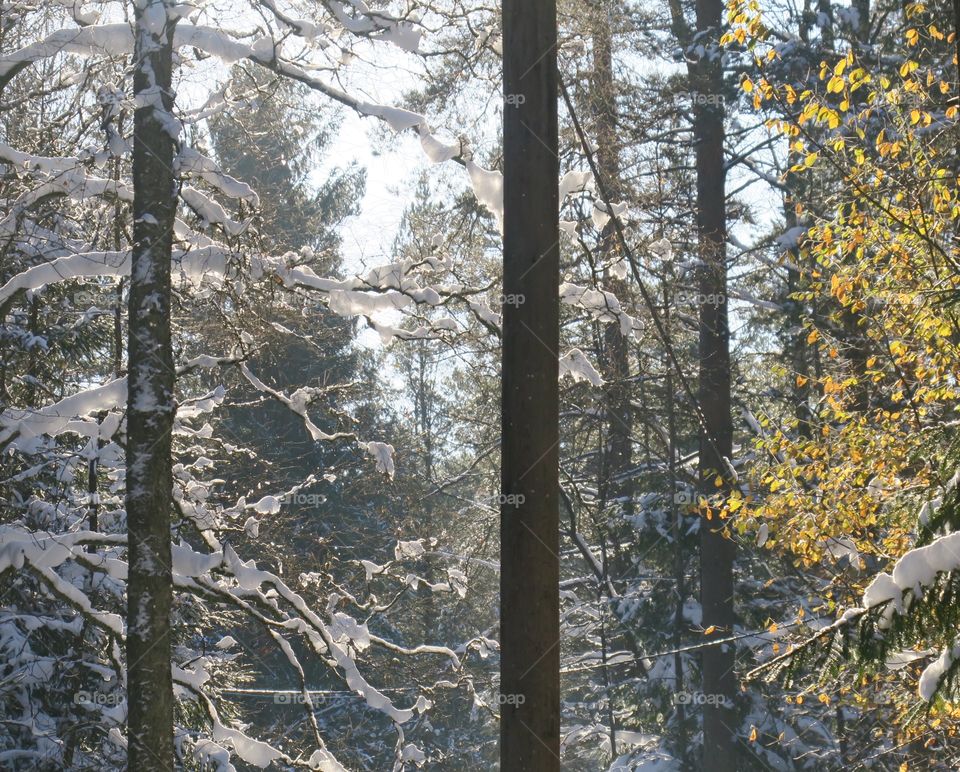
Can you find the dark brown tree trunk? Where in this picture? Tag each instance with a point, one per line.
(717, 550)
(615, 363)
(529, 531)
(616, 452)
(150, 407)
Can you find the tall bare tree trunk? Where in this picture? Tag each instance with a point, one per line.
(615, 363)
(150, 407)
(717, 551)
(529, 532)
(615, 484)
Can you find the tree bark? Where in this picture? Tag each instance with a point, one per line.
(150, 407)
(529, 531)
(615, 484)
(682, 749)
(615, 363)
(717, 551)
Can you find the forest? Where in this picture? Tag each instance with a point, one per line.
(541, 385)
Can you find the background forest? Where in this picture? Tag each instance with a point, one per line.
(759, 383)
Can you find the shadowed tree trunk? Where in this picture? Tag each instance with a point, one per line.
(615, 486)
(717, 551)
(150, 407)
(529, 531)
(615, 363)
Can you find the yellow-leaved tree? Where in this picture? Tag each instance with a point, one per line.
(859, 488)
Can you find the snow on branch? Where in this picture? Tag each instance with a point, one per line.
(297, 403)
(108, 39)
(75, 184)
(191, 162)
(575, 364)
(362, 21)
(117, 39)
(600, 304)
(42, 553)
(37, 163)
(210, 212)
(229, 579)
(913, 573)
(389, 287)
(23, 428)
(379, 24)
(84, 265)
(383, 455)
(914, 570)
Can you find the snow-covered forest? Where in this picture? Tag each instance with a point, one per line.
(441, 385)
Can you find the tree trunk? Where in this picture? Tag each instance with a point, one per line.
(150, 407)
(717, 551)
(529, 531)
(677, 527)
(615, 363)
